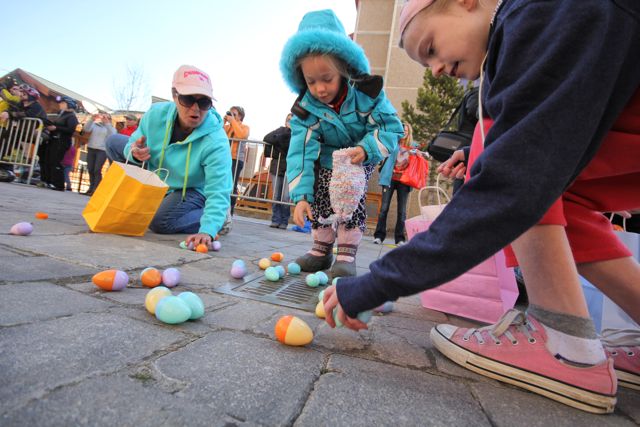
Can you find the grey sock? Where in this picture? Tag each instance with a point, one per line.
(581, 327)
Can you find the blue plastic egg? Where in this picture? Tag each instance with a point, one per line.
(271, 273)
(365, 316)
(387, 307)
(281, 271)
(172, 310)
(195, 304)
(322, 277)
(312, 280)
(294, 268)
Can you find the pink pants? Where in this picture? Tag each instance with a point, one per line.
(610, 182)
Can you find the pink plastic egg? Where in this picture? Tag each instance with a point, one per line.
(171, 277)
(21, 229)
(216, 245)
(238, 271)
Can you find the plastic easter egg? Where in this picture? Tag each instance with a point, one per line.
(216, 246)
(272, 275)
(202, 248)
(312, 280)
(365, 316)
(277, 256)
(111, 280)
(335, 281)
(151, 277)
(293, 268)
(154, 296)
(292, 330)
(323, 279)
(239, 262)
(195, 304)
(171, 277)
(335, 319)
(172, 310)
(321, 295)
(42, 215)
(21, 229)
(320, 310)
(387, 307)
(281, 271)
(184, 245)
(238, 272)
(264, 263)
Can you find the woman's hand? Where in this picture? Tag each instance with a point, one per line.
(358, 155)
(302, 210)
(331, 302)
(454, 166)
(139, 150)
(200, 238)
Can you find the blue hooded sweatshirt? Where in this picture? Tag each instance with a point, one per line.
(366, 118)
(202, 161)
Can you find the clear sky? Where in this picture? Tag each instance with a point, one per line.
(86, 46)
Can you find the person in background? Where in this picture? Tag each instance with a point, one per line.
(67, 164)
(340, 106)
(130, 125)
(235, 130)
(557, 143)
(389, 180)
(187, 138)
(101, 128)
(60, 133)
(277, 149)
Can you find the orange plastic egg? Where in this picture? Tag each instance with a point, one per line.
(292, 330)
(151, 277)
(42, 215)
(277, 256)
(111, 280)
(202, 248)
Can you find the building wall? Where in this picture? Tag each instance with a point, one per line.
(377, 32)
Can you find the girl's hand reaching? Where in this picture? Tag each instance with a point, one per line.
(331, 302)
(357, 154)
(302, 210)
(454, 166)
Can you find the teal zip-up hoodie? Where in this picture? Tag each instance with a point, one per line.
(366, 117)
(202, 161)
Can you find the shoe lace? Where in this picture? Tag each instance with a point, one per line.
(512, 320)
(616, 340)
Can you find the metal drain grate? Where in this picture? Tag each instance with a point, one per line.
(291, 291)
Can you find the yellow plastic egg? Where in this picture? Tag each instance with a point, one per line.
(153, 296)
(264, 263)
(320, 310)
(292, 330)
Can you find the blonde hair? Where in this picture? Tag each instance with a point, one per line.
(408, 137)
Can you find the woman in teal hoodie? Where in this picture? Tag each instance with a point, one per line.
(186, 138)
(339, 106)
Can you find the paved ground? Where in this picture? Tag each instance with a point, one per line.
(71, 354)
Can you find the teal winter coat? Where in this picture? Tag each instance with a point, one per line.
(202, 161)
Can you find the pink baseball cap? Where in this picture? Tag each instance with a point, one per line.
(190, 80)
(409, 11)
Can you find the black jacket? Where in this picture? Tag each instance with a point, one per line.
(65, 124)
(277, 149)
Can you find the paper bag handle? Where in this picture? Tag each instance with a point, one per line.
(166, 176)
(438, 192)
(624, 220)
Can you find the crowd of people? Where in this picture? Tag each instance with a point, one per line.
(537, 176)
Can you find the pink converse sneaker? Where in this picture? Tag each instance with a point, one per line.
(514, 351)
(623, 346)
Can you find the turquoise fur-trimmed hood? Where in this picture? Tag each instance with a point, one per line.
(320, 32)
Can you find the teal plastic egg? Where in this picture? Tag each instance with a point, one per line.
(312, 280)
(322, 277)
(271, 273)
(321, 295)
(172, 310)
(335, 281)
(365, 316)
(281, 271)
(294, 268)
(195, 304)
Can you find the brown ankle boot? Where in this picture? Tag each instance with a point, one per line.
(313, 263)
(345, 268)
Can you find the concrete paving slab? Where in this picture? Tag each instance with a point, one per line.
(37, 358)
(27, 268)
(29, 302)
(629, 403)
(357, 392)
(250, 378)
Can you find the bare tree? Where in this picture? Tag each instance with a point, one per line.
(132, 89)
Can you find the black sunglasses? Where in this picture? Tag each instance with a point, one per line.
(187, 101)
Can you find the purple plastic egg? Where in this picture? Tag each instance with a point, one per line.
(216, 245)
(171, 277)
(238, 271)
(120, 280)
(21, 229)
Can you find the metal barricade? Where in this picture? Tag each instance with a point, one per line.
(19, 142)
(254, 189)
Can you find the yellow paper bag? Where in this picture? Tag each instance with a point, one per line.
(125, 201)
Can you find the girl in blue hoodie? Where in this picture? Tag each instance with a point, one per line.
(339, 106)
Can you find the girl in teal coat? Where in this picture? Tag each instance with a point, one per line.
(339, 106)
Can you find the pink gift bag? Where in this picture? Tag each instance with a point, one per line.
(483, 293)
